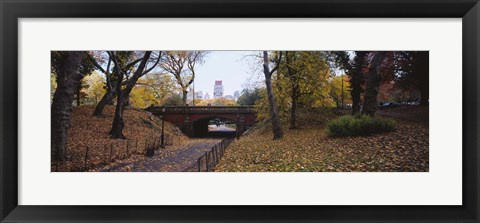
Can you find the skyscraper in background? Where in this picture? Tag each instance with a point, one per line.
(236, 95)
(218, 89)
(199, 95)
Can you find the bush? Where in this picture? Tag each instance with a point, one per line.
(362, 125)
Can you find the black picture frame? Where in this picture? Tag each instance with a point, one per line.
(12, 10)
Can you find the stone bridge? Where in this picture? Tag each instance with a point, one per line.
(193, 120)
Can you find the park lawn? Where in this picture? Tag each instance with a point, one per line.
(309, 149)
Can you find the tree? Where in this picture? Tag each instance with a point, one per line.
(249, 97)
(292, 74)
(86, 69)
(357, 79)
(153, 89)
(301, 67)
(181, 64)
(222, 102)
(374, 79)
(66, 65)
(142, 97)
(338, 91)
(103, 62)
(412, 68)
(53, 85)
(201, 102)
(123, 92)
(277, 128)
(422, 72)
(194, 57)
(294, 87)
(80, 94)
(173, 100)
(355, 69)
(96, 87)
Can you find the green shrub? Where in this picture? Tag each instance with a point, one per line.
(362, 125)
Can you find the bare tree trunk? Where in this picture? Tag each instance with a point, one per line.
(291, 72)
(67, 81)
(184, 97)
(116, 132)
(127, 101)
(117, 126)
(277, 128)
(294, 97)
(106, 99)
(373, 84)
(357, 80)
(79, 87)
(122, 94)
(293, 113)
(356, 91)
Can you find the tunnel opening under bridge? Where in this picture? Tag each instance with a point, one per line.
(214, 127)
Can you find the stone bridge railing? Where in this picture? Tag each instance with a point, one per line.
(201, 109)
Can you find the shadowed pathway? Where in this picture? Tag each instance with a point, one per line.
(166, 160)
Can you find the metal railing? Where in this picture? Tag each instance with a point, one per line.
(211, 158)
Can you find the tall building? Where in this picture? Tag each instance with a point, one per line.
(218, 89)
(236, 95)
(199, 95)
(207, 96)
(189, 94)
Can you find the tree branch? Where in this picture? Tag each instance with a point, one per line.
(151, 68)
(107, 74)
(130, 65)
(278, 63)
(139, 72)
(95, 63)
(115, 62)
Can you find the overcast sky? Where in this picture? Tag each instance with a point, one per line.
(234, 68)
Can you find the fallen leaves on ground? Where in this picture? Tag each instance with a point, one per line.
(309, 149)
(141, 129)
(174, 159)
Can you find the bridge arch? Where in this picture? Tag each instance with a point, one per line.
(186, 117)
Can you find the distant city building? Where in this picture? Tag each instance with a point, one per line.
(199, 95)
(206, 96)
(189, 94)
(236, 95)
(218, 89)
(229, 97)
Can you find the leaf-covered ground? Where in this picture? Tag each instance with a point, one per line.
(141, 128)
(309, 149)
(180, 159)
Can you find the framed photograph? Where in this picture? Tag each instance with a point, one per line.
(256, 111)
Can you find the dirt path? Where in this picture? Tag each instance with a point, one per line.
(177, 160)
